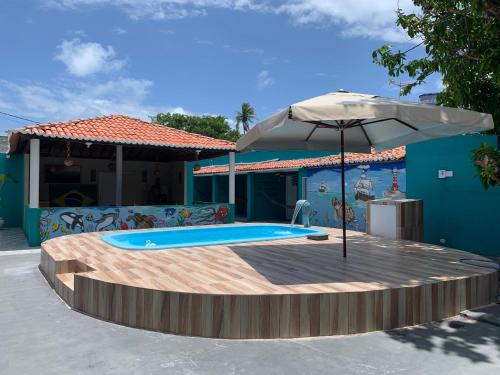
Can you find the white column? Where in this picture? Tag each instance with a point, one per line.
(34, 200)
(187, 175)
(231, 178)
(119, 174)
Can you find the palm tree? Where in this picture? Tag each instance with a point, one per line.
(245, 117)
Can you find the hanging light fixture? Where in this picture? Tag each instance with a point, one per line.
(67, 161)
(197, 166)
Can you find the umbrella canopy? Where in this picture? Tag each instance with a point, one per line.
(343, 121)
(367, 120)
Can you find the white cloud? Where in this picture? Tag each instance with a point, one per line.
(120, 31)
(440, 85)
(85, 59)
(256, 51)
(264, 79)
(159, 9)
(204, 42)
(68, 100)
(359, 18)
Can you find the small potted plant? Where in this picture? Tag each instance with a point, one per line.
(487, 161)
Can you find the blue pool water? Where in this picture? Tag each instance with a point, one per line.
(186, 237)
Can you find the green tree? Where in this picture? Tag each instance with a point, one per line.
(211, 126)
(461, 40)
(245, 117)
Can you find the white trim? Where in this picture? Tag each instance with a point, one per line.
(34, 194)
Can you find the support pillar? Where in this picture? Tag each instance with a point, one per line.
(119, 174)
(232, 178)
(34, 188)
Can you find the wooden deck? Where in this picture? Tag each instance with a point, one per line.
(271, 289)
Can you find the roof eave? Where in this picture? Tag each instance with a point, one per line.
(314, 165)
(119, 141)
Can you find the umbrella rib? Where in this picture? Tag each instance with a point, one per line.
(366, 135)
(311, 133)
(320, 124)
(390, 118)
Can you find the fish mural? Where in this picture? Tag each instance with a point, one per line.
(72, 220)
(105, 222)
(362, 183)
(55, 222)
(169, 211)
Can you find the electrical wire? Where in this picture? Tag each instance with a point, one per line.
(19, 117)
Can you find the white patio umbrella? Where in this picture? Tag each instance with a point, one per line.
(350, 122)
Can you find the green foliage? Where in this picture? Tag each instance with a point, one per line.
(487, 162)
(461, 40)
(245, 117)
(211, 126)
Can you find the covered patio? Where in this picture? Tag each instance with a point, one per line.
(113, 172)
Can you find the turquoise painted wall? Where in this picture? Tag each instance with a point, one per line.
(269, 197)
(263, 193)
(457, 209)
(222, 190)
(11, 189)
(250, 196)
(241, 198)
(31, 225)
(202, 189)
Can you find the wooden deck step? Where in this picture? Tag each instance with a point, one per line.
(269, 289)
(65, 286)
(68, 279)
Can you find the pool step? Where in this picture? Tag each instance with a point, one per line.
(317, 237)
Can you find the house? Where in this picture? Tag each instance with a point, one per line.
(267, 189)
(105, 173)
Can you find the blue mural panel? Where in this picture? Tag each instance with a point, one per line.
(55, 222)
(363, 182)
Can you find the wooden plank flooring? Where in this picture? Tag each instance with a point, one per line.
(284, 288)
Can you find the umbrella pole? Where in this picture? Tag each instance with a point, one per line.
(342, 162)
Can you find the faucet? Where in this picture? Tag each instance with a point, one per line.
(305, 206)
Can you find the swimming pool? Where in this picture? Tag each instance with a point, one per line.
(204, 236)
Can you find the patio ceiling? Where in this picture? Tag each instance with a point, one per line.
(57, 148)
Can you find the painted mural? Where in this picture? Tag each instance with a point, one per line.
(55, 222)
(363, 183)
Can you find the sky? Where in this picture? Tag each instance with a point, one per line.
(67, 59)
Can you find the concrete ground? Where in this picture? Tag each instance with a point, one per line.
(39, 334)
(13, 239)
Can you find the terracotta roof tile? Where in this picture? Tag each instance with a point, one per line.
(324, 161)
(124, 130)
